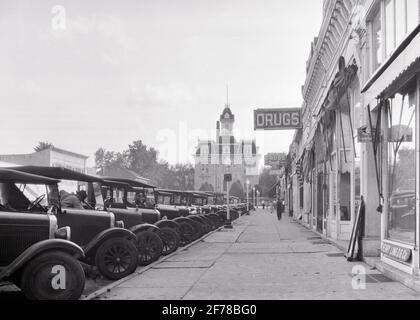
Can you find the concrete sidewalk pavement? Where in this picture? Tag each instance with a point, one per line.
(260, 259)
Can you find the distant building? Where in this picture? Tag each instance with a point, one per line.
(214, 158)
(51, 157)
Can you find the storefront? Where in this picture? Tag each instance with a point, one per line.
(337, 188)
(397, 84)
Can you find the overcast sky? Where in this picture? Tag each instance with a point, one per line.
(152, 70)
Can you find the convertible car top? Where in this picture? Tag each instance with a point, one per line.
(9, 175)
(58, 173)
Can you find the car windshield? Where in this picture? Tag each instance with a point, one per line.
(27, 197)
(164, 199)
(178, 200)
(131, 198)
(198, 201)
(145, 198)
(97, 193)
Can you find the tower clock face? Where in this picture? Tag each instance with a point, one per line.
(226, 150)
(226, 115)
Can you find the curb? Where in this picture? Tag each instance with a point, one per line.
(109, 287)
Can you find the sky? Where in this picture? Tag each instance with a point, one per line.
(90, 73)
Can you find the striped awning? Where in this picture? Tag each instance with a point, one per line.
(399, 68)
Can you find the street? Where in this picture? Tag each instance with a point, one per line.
(259, 259)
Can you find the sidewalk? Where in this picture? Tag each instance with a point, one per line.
(261, 258)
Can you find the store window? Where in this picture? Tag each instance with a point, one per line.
(377, 40)
(402, 168)
(401, 17)
(358, 122)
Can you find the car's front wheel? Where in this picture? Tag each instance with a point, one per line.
(116, 258)
(54, 275)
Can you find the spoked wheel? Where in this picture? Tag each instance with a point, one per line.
(199, 225)
(170, 239)
(149, 246)
(187, 233)
(116, 258)
(53, 275)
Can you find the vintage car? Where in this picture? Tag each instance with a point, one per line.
(173, 205)
(214, 202)
(35, 254)
(107, 245)
(133, 202)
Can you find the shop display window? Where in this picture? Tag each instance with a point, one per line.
(402, 168)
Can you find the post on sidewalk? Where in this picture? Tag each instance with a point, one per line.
(228, 180)
(247, 196)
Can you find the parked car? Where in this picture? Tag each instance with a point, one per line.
(107, 245)
(134, 203)
(34, 252)
(172, 205)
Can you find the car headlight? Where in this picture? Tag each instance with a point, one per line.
(63, 233)
(119, 224)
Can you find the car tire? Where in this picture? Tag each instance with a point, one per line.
(170, 239)
(116, 258)
(149, 247)
(187, 233)
(38, 277)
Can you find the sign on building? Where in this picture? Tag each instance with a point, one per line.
(228, 177)
(364, 134)
(277, 119)
(276, 172)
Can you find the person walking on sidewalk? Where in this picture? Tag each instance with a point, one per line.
(280, 209)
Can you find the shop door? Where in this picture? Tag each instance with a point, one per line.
(319, 202)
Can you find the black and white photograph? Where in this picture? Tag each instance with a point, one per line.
(209, 155)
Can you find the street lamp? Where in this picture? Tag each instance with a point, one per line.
(247, 195)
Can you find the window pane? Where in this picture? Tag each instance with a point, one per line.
(402, 170)
(389, 26)
(413, 14)
(377, 40)
(400, 20)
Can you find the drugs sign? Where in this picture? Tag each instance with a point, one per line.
(277, 119)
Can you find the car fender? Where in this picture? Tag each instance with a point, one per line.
(39, 248)
(92, 246)
(144, 227)
(167, 223)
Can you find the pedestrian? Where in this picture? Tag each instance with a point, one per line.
(70, 200)
(280, 209)
(263, 205)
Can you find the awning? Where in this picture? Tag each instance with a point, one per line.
(399, 68)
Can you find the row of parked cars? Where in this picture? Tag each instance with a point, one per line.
(48, 245)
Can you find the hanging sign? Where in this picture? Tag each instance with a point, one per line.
(364, 134)
(277, 119)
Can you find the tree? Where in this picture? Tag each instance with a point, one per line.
(236, 190)
(43, 145)
(267, 184)
(144, 161)
(206, 187)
